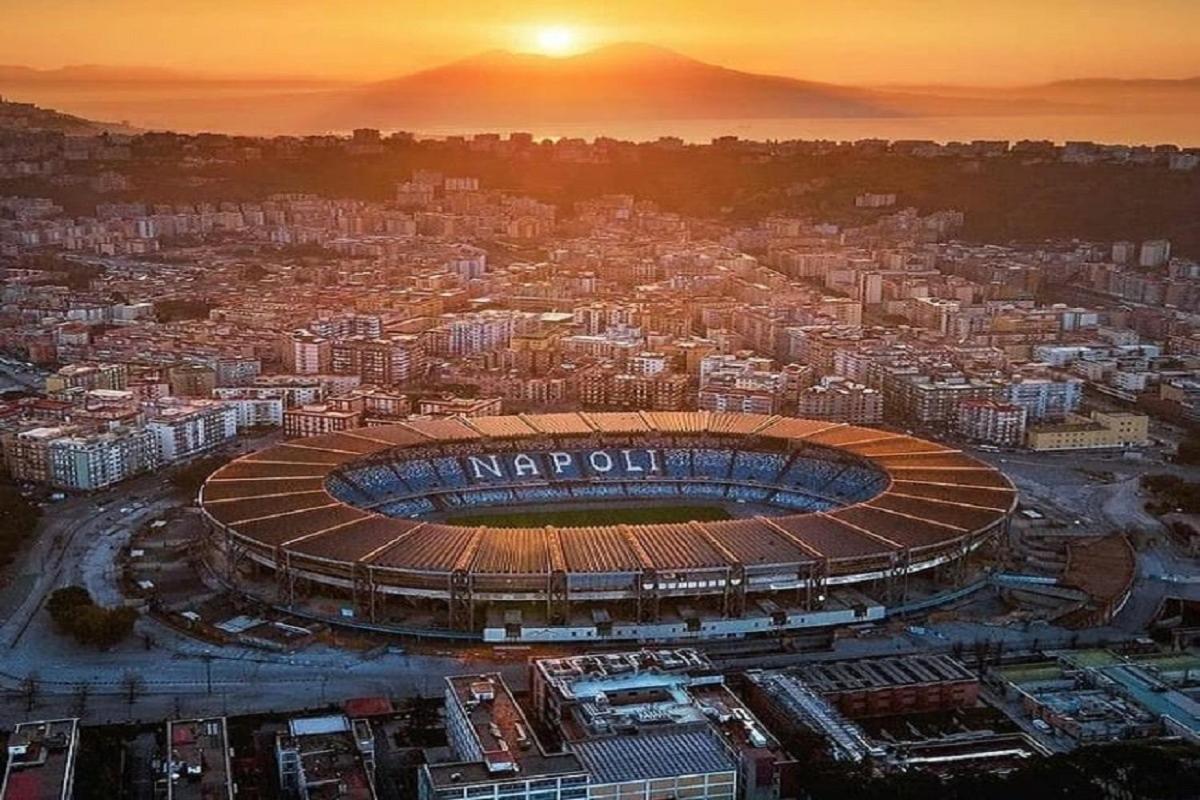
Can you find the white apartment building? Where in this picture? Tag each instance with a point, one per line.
(468, 334)
(185, 429)
(309, 354)
(1045, 397)
(254, 412)
(89, 462)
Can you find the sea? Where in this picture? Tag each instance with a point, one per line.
(1142, 129)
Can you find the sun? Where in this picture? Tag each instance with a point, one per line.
(555, 40)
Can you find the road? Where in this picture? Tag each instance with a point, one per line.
(77, 545)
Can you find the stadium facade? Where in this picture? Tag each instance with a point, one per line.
(829, 522)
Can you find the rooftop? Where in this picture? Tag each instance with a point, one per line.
(331, 752)
(875, 673)
(41, 760)
(687, 751)
(502, 734)
(199, 760)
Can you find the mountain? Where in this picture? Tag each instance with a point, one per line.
(618, 82)
(154, 98)
(101, 76)
(1103, 95)
(632, 83)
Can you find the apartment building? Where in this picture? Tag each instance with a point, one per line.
(198, 760)
(1044, 397)
(76, 379)
(1097, 431)
(306, 353)
(468, 334)
(327, 757)
(41, 761)
(451, 406)
(385, 361)
(723, 394)
(318, 418)
(992, 422)
(191, 380)
(188, 428)
(841, 400)
(606, 386)
(87, 462)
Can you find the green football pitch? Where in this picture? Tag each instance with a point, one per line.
(580, 517)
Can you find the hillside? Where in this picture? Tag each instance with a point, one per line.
(29, 117)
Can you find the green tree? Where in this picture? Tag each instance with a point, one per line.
(65, 604)
(76, 614)
(18, 521)
(1188, 451)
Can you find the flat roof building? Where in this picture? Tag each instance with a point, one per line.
(41, 761)
(198, 760)
(663, 716)
(1098, 431)
(892, 684)
(322, 758)
(497, 750)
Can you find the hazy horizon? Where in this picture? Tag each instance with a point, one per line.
(117, 71)
(872, 42)
(623, 90)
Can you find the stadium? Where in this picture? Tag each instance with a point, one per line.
(601, 526)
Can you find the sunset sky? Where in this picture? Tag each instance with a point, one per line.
(848, 41)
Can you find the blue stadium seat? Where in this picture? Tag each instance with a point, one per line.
(651, 489)
(809, 474)
(542, 494)
(592, 491)
(450, 472)
(678, 463)
(800, 502)
(703, 489)
(853, 484)
(379, 482)
(412, 507)
(714, 464)
(419, 474)
(346, 491)
(748, 494)
(487, 497)
(758, 467)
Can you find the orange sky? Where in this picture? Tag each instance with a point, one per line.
(848, 41)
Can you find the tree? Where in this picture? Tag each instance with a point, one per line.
(133, 686)
(18, 521)
(63, 605)
(75, 613)
(80, 697)
(1188, 451)
(31, 687)
(103, 627)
